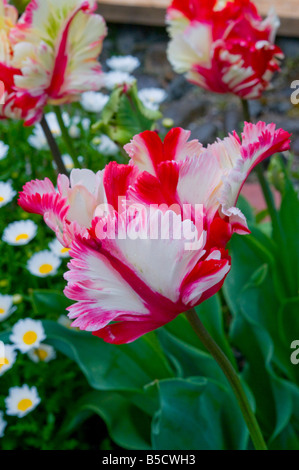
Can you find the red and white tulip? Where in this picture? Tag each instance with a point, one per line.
(148, 239)
(223, 45)
(53, 56)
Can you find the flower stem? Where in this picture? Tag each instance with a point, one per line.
(53, 147)
(66, 137)
(232, 376)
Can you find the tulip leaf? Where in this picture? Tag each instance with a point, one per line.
(49, 301)
(262, 319)
(111, 367)
(289, 217)
(197, 414)
(127, 425)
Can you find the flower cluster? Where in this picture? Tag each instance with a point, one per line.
(148, 239)
(223, 46)
(49, 55)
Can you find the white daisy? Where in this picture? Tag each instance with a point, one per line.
(3, 150)
(43, 264)
(93, 101)
(3, 424)
(20, 232)
(44, 353)
(7, 358)
(27, 334)
(58, 249)
(152, 97)
(6, 306)
(6, 193)
(114, 78)
(21, 400)
(107, 146)
(127, 63)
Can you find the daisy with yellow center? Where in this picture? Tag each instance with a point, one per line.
(21, 400)
(27, 334)
(6, 306)
(20, 232)
(7, 358)
(43, 264)
(58, 249)
(3, 424)
(44, 353)
(6, 193)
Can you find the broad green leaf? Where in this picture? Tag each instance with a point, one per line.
(246, 208)
(47, 301)
(111, 367)
(127, 425)
(289, 217)
(197, 414)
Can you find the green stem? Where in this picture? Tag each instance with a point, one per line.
(53, 147)
(66, 137)
(232, 376)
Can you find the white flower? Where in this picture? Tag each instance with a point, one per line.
(107, 146)
(93, 101)
(6, 308)
(74, 131)
(126, 63)
(7, 358)
(44, 263)
(7, 193)
(112, 79)
(86, 124)
(38, 139)
(68, 161)
(27, 334)
(3, 424)
(21, 400)
(152, 97)
(3, 150)
(44, 353)
(58, 249)
(20, 232)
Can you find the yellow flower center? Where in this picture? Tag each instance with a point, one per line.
(24, 404)
(3, 361)
(30, 337)
(2, 199)
(22, 236)
(2, 311)
(64, 250)
(45, 268)
(41, 354)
